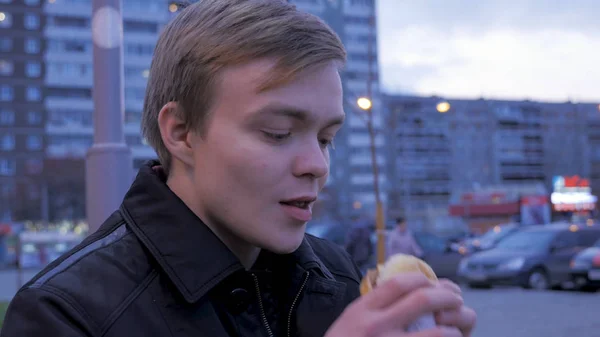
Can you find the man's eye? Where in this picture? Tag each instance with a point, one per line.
(277, 136)
(327, 143)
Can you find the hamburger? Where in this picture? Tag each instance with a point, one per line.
(397, 264)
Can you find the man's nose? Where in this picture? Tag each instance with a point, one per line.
(312, 161)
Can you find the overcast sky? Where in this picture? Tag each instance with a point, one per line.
(514, 49)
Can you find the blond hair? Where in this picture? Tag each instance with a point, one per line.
(212, 34)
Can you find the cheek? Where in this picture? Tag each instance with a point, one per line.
(254, 167)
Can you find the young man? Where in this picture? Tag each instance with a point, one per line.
(243, 101)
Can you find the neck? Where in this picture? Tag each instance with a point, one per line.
(245, 252)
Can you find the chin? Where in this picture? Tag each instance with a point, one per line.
(285, 245)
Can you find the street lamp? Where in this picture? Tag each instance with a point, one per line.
(366, 104)
(109, 164)
(443, 107)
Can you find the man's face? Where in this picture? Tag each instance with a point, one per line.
(402, 226)
(265, 155)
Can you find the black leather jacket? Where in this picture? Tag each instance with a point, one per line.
(154, 269)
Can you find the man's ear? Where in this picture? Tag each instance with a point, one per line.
(174, 133)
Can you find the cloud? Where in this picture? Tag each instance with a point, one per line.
(499, 57)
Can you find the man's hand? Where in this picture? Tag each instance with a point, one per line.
(392, 306)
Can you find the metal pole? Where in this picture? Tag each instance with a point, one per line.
(379, 216)
(109, 164)
(45, 203)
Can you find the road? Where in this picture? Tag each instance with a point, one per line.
(514, 312)
(502, 312)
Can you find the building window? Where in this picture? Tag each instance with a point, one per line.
(77, 46)
(7, 117)
(7, 142)
(6, 93)
(34, 165)
(140, 27)
(67, 21)
(33, 192)
(34, 142)
(5, 20)
(32, 46)
(6, 68)
(34, 117)
(32, 21)
(6, 44)
(70, 117)
(8, 167)
(140, 49)
(69, 92)
(33, 94)
(33, 69)
(362, 2)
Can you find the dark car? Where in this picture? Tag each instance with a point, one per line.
(534, 257)
(437, 253)
(585, 268)
(488, 240)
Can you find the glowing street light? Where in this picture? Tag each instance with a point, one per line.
(443, 107)
(173, 8)
(364, 103)
(2, 16)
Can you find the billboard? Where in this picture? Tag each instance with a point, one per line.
(572, 193)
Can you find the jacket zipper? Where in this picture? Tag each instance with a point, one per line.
(289, 327)
(262, 309)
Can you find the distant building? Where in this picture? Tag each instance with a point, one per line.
(482, 143)
(22, 110)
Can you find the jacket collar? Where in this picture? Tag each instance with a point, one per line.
(188, 252)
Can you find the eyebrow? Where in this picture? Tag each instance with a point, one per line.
(295, 113)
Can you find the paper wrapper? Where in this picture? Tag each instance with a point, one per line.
(395, 265)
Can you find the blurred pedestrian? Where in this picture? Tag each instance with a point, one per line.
(402, 241)
(359, 245)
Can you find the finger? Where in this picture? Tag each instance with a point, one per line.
(391, 291)
(464, 319)
(450, 285)
(440, 331)
(424, 301)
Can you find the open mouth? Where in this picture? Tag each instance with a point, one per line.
(299, 204)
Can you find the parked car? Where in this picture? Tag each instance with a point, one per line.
(534, 257)
(585, 268)
(438, 254)
(488, 240)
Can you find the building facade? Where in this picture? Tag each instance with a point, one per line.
(22, 110)
(46, 103)
(55, 37)
(434, 158)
